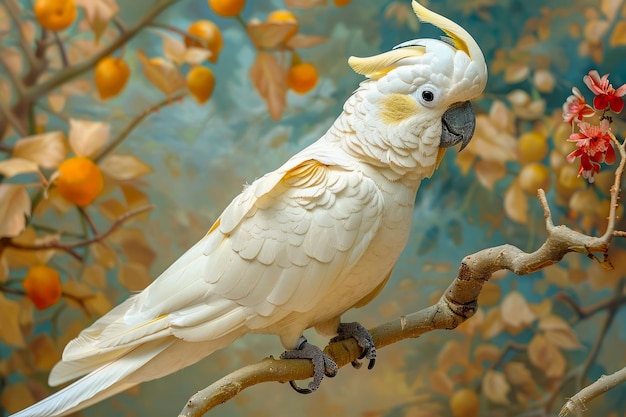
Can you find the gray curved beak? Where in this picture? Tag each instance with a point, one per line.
(458, 123)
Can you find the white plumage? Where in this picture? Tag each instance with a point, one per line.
(299, 246)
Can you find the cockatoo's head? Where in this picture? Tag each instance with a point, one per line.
(419, 93)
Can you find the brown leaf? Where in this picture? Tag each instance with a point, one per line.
(17, 258)
(546, 356)
(303, 4)
(162, 73)
(124, 167)
(14, 208)
(269, 80)
(175, 50)
(98, 13)
(610, 8)
(516, 313)
(441, 383)
(490, 294)
(103, 254)
(10, 332)
(16, 397)
(47, 149)
(559, 332)
(44, 352)
(269, 35)
(492, 325)
(16, 166)
(134, 276)
(618, 37)
(452, 353)
(486, 352)
(86, 137)
(516, 72)
(95, 275)
(300, 41)
(495, 387)
(516, 203)
(488, 173)
(134, 244)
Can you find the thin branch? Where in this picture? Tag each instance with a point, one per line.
(64, 59)
(135, 122)
(89, 220)
(578, 403)
(13, 8)
(13, 121)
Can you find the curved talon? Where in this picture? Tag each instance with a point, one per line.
(363, 338)
(322, 364)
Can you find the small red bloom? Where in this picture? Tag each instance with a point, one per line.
(594, 147)
(575, 107)
(606, 96)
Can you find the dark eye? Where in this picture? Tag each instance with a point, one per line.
(428, 95)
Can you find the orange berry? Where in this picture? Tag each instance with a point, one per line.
(534, 176)
(341, 3)
(110, 76)
(302, 77)
(200, 82)
(210, 34)
(227, 8)
(465, 403)
(284, 16)
(55, 15)
(532, 147)
(80, 180)
(43, 286)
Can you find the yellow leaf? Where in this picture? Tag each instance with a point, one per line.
(492, 325)
(134, 276)
(135, 198)
(269, 80)
(95, 275)
(16, 397)
(269, 35)
(610, 7)
(559, 332)
(17, 258)
(10, 332)
(98, 13)
(112, 209)
(86, 137)
(300, 41)
(545, 356)
(98, 304)
(14, 208)
(618, 38)
(16, 166)
(490, 294)
(488, 173)
(175, 50)
(124, 167)
(544, 81)
(104, 255)
(162, 73)
(516, 72)
(46, 149)
(515, 311)
(56, 101)
(486, 352)
(44, 352)
(495, 387)
(516, 203)
(134, 245)
(452, 353)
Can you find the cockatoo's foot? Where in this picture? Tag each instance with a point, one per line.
(363, 338)
(322, 364)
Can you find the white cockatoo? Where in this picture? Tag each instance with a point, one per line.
(301, 245)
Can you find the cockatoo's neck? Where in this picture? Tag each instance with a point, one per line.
(382, 132)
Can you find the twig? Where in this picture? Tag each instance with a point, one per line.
(578, 403)
(8, 114)
(135, 122)
(69, 247)
(64, 60)
(89, 220)
(13, 8)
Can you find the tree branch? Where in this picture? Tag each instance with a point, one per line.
(578, 403)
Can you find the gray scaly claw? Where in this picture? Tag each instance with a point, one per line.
(322, 364)
(363, 339)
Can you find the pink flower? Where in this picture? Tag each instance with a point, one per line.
(606, 96)
(594, 147)
(575, 107)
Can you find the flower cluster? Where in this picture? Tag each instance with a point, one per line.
(594, 143)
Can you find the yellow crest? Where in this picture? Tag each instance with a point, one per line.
(378, 65)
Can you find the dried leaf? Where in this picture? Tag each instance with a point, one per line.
(134, 276)
(56, 101)
(269, 80)
(544, 81)
(87, 137)
(488, 172)
(10, 332)
(441, 383)
(98, 305)
(492, 325)
(95, 275)
(546, 356)
(14, 208)
(112, 209)
(103, 255)
(16, 397)
(44, 352)
(124, 167)
(162, 73)
(516, 203)
(16, 166)
(618, 37)
(452, 353)
(516, 72)
(300, 41)
(17, 258)
(486, 352)
(175, 50)
(47, 149)
(495, 387)
(559, 332)
(270, 35)
(303, 4)
(515, 311)
(98, 13)
(134, 244)
(610, 8)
